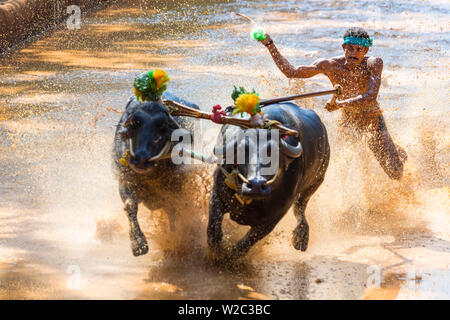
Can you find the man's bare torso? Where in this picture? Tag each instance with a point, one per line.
(353, 81)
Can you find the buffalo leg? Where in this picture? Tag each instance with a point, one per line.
(129, 197)
(216, 213)
(255, 234)
(300, 235)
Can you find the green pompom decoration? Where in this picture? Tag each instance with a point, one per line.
(258, 34)
(149, 86)
(237, 92)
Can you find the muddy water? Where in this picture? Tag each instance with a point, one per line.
(62, 230)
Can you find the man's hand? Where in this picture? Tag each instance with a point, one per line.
(332, 106)
(268, 40)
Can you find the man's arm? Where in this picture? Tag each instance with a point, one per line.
(373, 87)
(306, 71)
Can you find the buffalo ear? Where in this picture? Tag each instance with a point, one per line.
(124, 132)
(128, 122)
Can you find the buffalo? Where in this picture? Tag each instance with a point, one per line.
(148, 175)
(258, 198)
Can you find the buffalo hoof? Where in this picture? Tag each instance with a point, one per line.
(237, 253)
(139, 245)
(300, 237)
(218, 253)
(216, 248)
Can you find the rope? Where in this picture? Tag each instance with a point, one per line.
(270, 124)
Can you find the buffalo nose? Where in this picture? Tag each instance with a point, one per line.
(256, 186)
(140, 159)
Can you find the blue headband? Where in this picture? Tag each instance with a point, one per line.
(358, 41)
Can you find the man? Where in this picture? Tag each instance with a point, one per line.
(360, 77)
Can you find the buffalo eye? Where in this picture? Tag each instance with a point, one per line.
(163, 128)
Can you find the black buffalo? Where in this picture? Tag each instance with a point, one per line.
(303, 162)
(145, 129)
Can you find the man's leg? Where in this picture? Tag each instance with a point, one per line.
(390, 156)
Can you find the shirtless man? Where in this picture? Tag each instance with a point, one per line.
(360, 77)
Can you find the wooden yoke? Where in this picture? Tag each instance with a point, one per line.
(178, 109)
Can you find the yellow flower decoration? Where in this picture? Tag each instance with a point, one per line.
(247, 102)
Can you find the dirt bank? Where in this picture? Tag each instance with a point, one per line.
(20, 19)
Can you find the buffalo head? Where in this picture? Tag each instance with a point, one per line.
(260, 156)
(148, 131)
